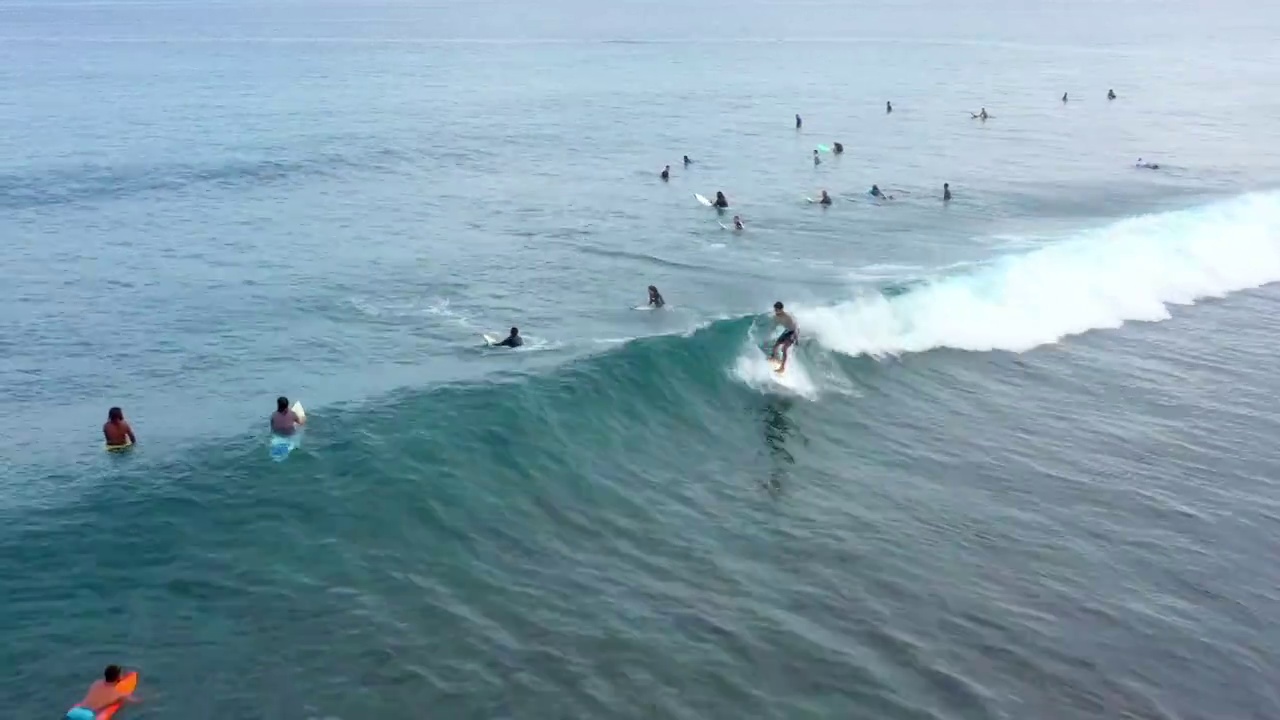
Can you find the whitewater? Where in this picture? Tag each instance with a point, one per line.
(1133, 270)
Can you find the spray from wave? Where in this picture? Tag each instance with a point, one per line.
(1130, 271)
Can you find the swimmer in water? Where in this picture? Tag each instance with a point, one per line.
(799, 122)
(790, 334)
(687, 161)
(666, 173)
(655, 297)
(825, 199)
(1064, 97)
(102, 694)
(118, 433)
(513, 340)
(721, 201)
(888, 107)
(1147, 165)
(946, 192)
(1111, 94)
(837, 148)
(285, 422)
(737, 223)
(875, 192)
(816, 160)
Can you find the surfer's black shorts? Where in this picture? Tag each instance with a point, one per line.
(787, 338)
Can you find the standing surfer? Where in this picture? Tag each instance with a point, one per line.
(790, 334)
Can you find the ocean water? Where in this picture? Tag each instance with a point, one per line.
(1022, 466)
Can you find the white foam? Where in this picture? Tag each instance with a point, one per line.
(1129, 271)
(754, 370)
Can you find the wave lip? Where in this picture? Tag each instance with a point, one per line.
(1129, 271)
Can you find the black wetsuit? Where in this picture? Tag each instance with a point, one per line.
(512, 341)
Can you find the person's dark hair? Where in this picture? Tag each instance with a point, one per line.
(777, 305)
(115, 413)
(111, 674)
(515, 331)
(282, 403)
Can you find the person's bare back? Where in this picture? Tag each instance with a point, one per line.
(101, 695)
(116, 430)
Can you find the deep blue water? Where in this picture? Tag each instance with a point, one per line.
(1022, 466)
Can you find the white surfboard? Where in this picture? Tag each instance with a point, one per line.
(490, 339)
(702, 200)
(297, 410)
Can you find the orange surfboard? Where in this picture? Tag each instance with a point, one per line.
(128, 683)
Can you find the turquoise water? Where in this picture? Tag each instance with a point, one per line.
(1023, 465)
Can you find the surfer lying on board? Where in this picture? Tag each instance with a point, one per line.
(721, 202)
(285, 422)
(655, 297)
(513, 340)
(117, 430)
(1147, 165)
(101, 695)
(790, 333)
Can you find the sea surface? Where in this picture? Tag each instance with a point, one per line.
(1023, 465)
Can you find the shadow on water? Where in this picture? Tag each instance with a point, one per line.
(778, 430)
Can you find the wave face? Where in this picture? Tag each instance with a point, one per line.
(1130, 271)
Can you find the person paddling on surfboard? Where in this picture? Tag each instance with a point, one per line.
(117, 431)
(512, 341)
(790, 334)
(102, 694)
(655, 297)
(285, 422)
(721, 201)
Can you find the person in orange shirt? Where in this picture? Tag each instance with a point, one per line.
(102, 695)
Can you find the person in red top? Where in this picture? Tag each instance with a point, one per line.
(102, 694)
(117, 431)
